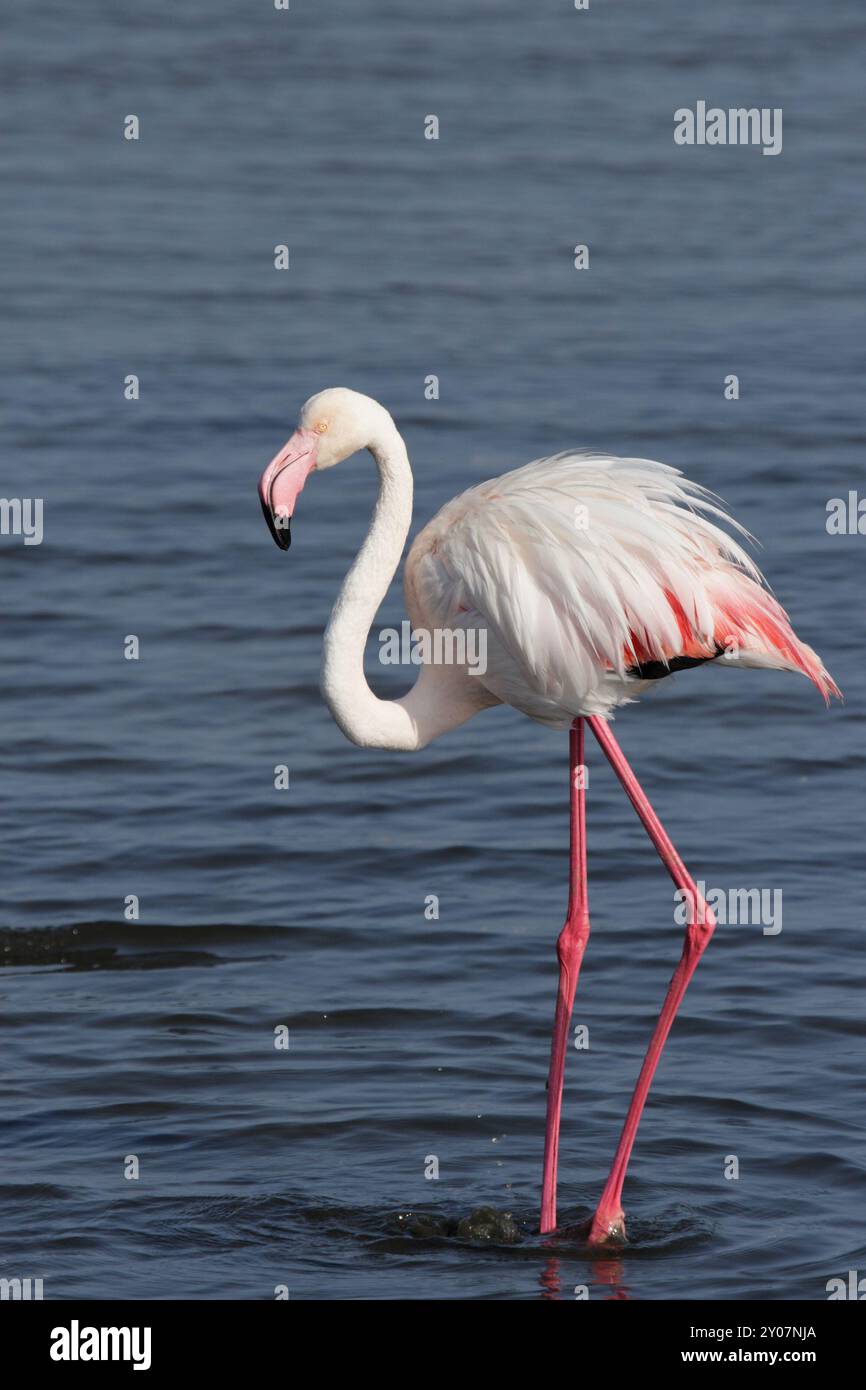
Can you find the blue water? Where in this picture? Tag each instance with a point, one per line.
(409, 1037)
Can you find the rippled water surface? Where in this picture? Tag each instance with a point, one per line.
(410, 1038)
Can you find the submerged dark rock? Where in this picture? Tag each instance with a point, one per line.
(483, 1224)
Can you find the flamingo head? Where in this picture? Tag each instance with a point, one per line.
(332, 425)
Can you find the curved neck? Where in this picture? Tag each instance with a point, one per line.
(442, 697)
(364, 718)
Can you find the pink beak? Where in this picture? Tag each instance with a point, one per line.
(283, 479)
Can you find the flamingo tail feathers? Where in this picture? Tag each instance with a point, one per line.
(752, 628)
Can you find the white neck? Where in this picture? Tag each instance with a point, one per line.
(365, 719)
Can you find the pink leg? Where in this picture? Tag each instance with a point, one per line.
(609, 1220)
(569, 948)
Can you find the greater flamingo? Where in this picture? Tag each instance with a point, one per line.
(592, 577)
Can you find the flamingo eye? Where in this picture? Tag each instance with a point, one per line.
(320, 426)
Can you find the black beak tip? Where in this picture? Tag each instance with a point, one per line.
(281, 533)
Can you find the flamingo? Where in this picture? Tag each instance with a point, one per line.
(592, 577)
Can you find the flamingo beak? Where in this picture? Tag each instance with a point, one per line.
(283, 480)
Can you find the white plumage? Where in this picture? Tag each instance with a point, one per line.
(584, 568)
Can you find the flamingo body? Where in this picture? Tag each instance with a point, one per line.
(593, 576)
